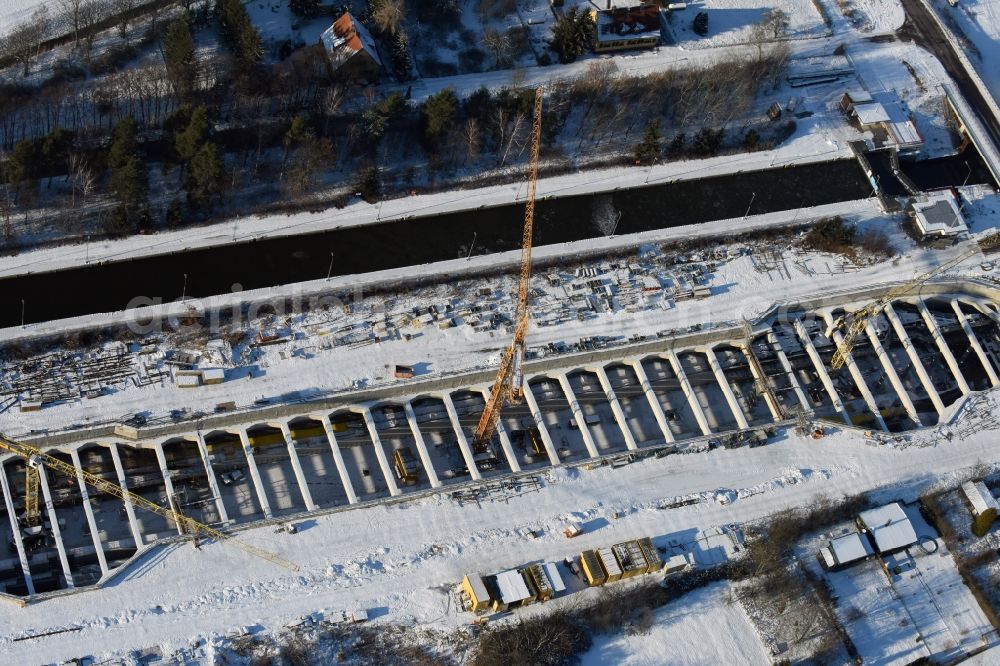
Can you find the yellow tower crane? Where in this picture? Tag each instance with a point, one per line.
(36, 460)
(508, 386)
(857, 322)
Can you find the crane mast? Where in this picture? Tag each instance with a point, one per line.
(36, 459)
(509, 384)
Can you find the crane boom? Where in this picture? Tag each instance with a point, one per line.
(509, 384)
(36, 458)
(858, 320)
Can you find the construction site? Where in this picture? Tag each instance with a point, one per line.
(918, 356)
(593, 371)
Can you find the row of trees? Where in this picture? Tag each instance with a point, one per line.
(79, 18)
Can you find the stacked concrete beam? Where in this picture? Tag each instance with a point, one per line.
(300, 477)
(820, 367)
(258, 484)
(578, 416)
(418, 440)
(786, 365)
(463, 441)
(943, 347)
(859, 380)
(974, 342)
(116, 460)
(15, 528)
(89, 511)
(616, 407)
(383, 460)
(536, 414)
(213, 482)
(338, 457)
(727, 389)
(689, 394)
(890, 371)
(168, 483)
(918, 365)
(50, 508)
(505, 443)
(653, 400)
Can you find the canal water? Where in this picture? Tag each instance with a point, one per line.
(399, 243)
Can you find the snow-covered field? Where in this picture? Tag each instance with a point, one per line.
(704, 628)
(733, 21)
(13, 12)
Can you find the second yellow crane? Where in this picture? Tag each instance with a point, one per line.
(36, 459)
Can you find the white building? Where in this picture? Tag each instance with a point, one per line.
(889, 528)
(845, 550)
(937, 215)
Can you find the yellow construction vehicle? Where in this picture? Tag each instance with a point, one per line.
(508, 386)
(37, 461)
(855, 323)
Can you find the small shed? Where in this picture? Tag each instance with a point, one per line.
(653, 560)
(555, 578)
(630, 558)
(983, 505)
(535, 574)
(475, 590)
(889, 527)
(676, 562)
(213, 376)
(870, 114)
(610, 564)
(188, 379)
(845, 550)
(590, 563)
(512, 591)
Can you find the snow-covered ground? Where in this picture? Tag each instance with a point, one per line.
(13, 12)
(733, 21)
(704, 628)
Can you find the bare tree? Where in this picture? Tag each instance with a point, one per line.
(25, 40)
(122, 10)
(91, 12)
(775, 23)
(330, 103)
(471, 137)
(71, 11)
(82, 178)
(499, 44)
(389, 14)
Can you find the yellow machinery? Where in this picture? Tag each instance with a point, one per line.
(856, 322)
(36, 460)
(508, 386)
